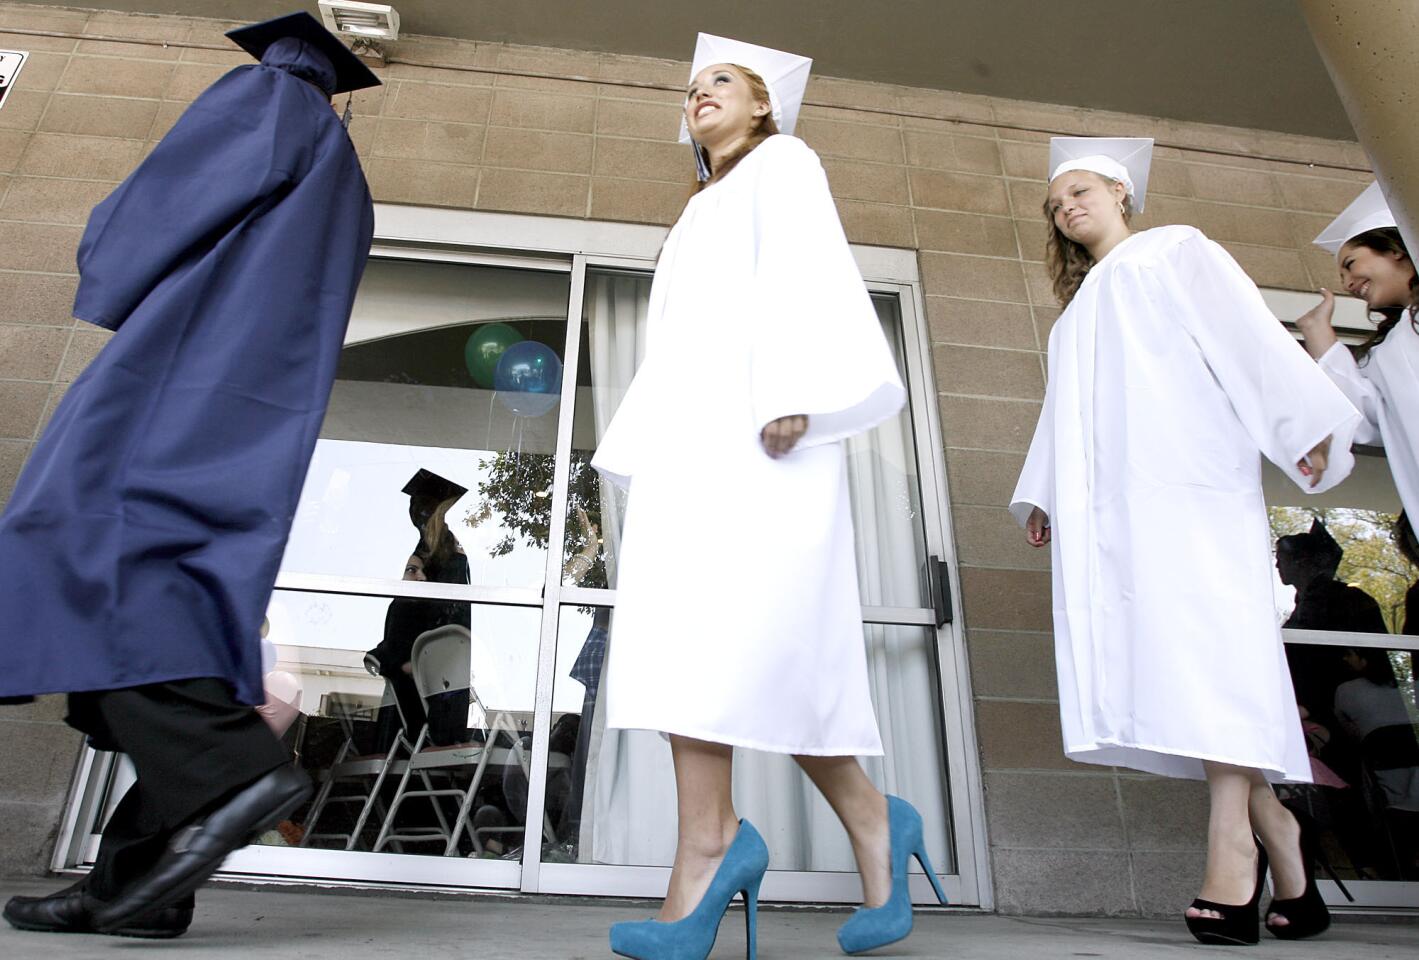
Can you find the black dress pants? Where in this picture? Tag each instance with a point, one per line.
(192, 746)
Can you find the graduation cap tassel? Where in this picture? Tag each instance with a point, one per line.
(345, 119)
(702, 170)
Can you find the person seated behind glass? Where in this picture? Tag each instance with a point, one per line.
(406, 620)
(1371, 708)
(1308, 561)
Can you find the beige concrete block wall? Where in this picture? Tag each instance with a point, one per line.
(956, 177)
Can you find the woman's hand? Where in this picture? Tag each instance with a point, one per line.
(780, 436)
(1037, 528)
(1314, 463)
(581, 563)
(1315, 325)
(589, 534)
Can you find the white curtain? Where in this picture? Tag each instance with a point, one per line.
(630, 785)
(621, 776)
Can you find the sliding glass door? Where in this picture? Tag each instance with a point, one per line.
(436, 641)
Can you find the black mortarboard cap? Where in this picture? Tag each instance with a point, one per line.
(1316, 544)
(1324, 546)
(1323, 538)
(350, 73)
(425, 483)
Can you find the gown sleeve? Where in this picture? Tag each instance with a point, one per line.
(818, 346)
(1284, 401)
(237, 147)
(1339, 364)
(1035, 488)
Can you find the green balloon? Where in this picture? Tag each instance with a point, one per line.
(485, 345)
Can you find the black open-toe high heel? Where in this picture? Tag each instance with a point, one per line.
(1306, 915)
(1240, 923)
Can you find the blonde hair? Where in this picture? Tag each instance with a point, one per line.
(1067, 261)
(438, 538)
(765, 128)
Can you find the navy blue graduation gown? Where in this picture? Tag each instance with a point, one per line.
(142, 541)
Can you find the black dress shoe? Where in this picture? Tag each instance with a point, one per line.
(197, 850)
(71, 911)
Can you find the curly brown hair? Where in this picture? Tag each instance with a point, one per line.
(765, 128)
(1069, 262)
(1387, 240)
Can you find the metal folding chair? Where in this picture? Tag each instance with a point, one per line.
(356, 771)
(441, 667)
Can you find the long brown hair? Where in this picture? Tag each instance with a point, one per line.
(1069, 262)
(765, 128)
(1387, 240)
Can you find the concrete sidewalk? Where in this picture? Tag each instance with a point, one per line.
(285, 924)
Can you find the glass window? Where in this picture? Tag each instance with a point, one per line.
(882, 468)
(885, 493)
(437, 448)
(614, 314)
(617, 799)
(414, 717)
(1341, 569)
(1364, 746)
(611, 793)
(1345, 582)
(576, 735)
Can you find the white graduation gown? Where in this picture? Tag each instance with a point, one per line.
(737, 613)
(1385, 388)
(1167, 375)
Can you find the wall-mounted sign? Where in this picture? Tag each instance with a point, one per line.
(10, 63)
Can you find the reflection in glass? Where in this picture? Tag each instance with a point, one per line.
(416, 712)
(884, 484)
(444, 412)
(1342, 568)
(621, 808)
(614, 333)
(618, 798)
(1364, 746)
(412, 716)
(1346, 563)
(582, 634)
(885, 493)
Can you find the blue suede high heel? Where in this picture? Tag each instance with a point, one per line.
(870, 928)
(741, 871)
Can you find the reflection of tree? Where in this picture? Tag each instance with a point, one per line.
(518, 491)
(1371, 560)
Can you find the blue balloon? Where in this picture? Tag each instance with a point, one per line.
(528, 378)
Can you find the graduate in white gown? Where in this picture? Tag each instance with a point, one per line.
(763, 353)
(1381, 375)
(1168, 381)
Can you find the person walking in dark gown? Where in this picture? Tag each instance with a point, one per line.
(142, 541)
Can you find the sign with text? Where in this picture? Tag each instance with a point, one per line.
(10, 63)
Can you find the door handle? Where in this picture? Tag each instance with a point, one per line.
(938, 587)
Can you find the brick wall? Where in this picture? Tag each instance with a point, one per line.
(498, 127)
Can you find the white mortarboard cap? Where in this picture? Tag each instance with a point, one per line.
(785, 74)
(1367, 212)
(1125, 159)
